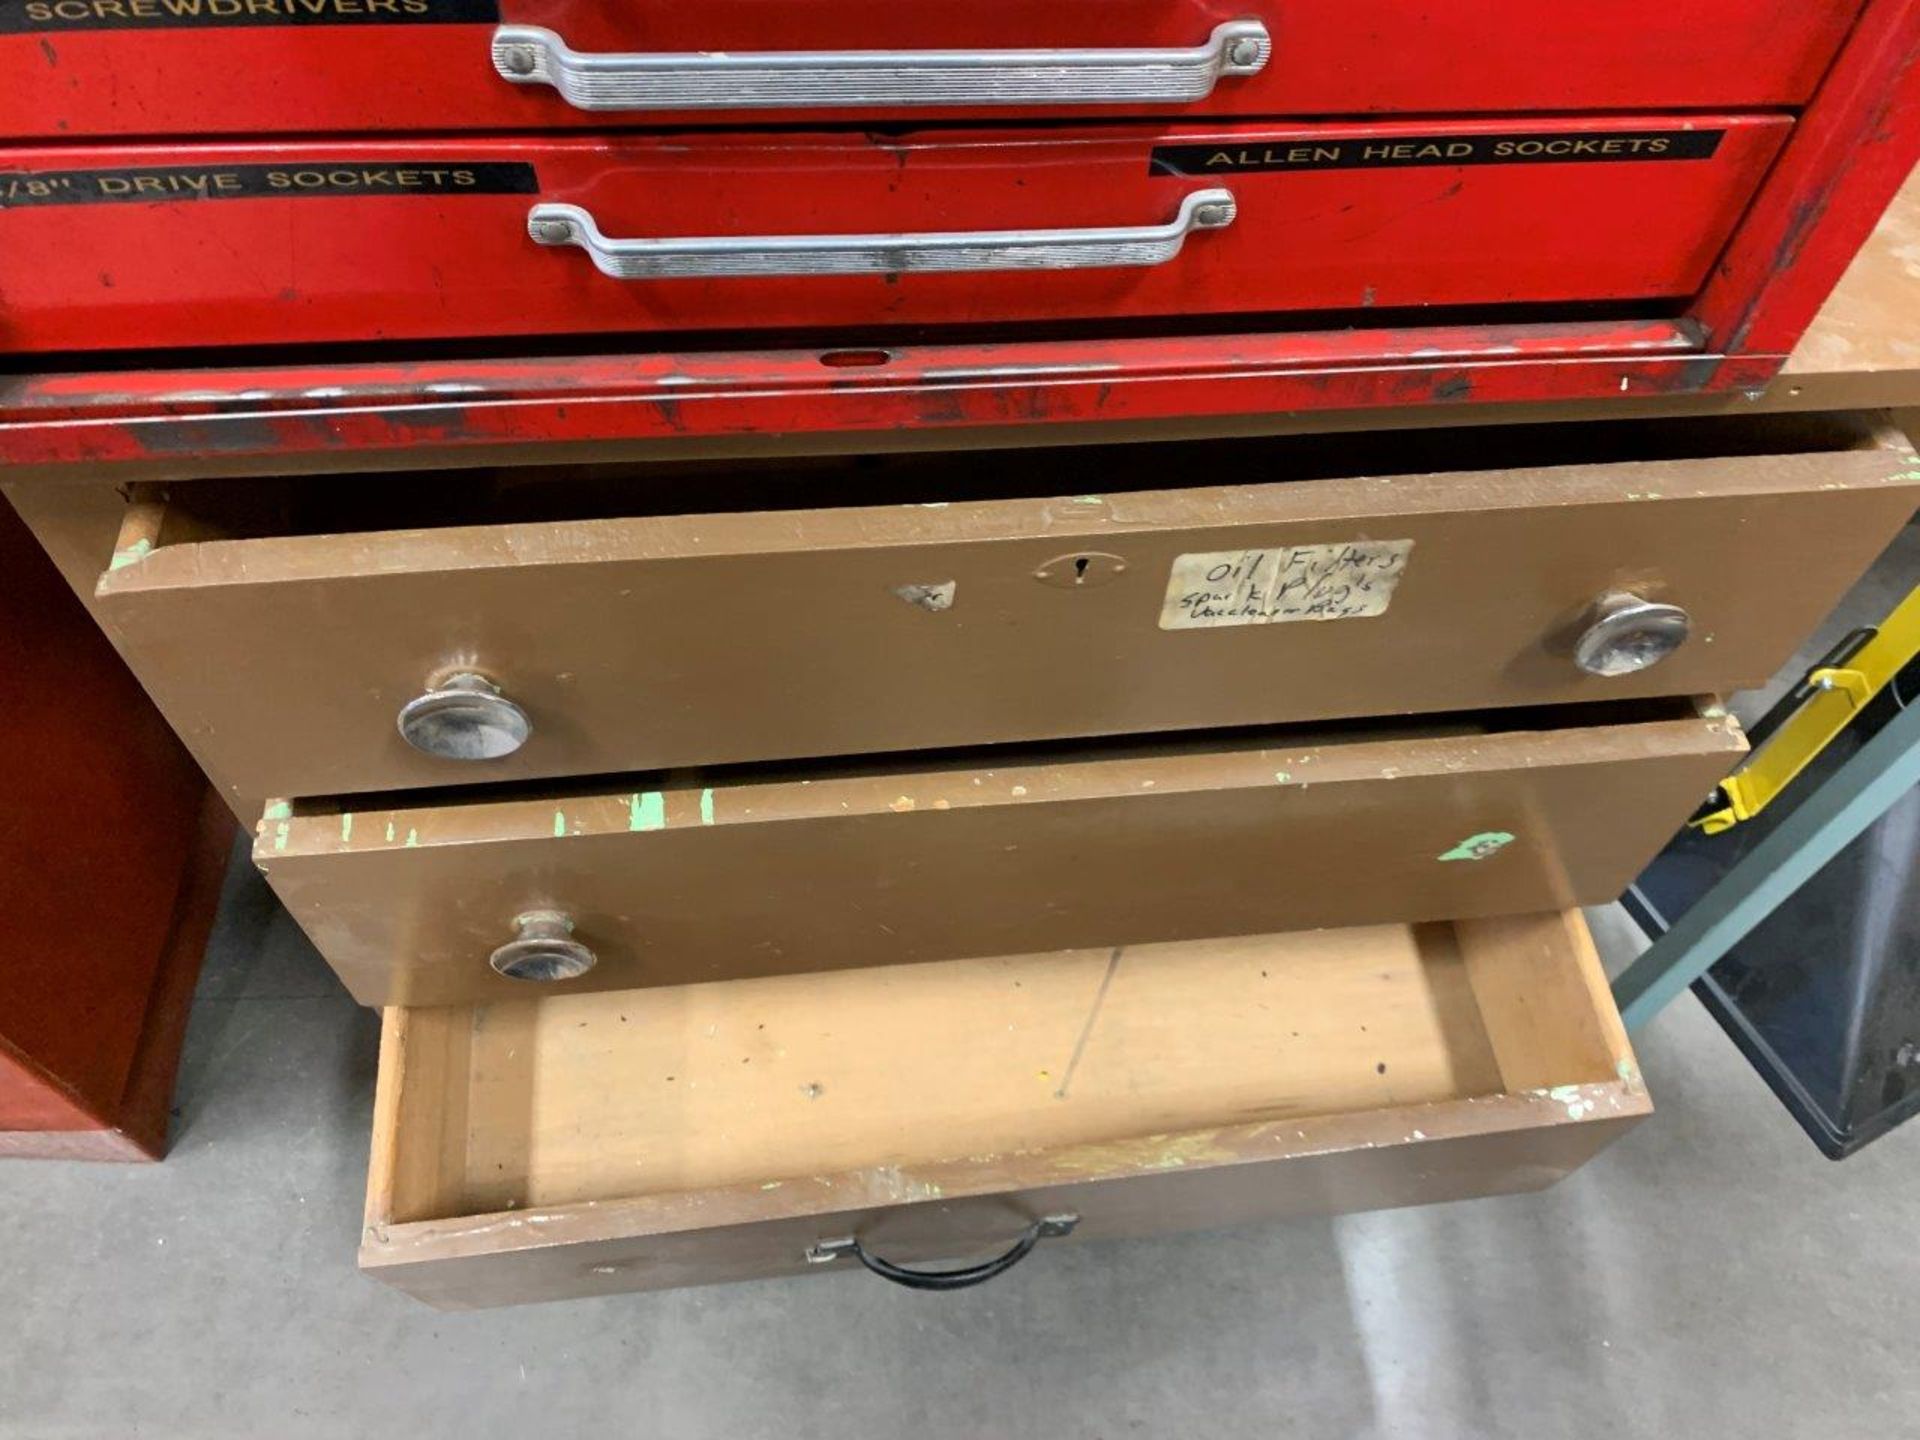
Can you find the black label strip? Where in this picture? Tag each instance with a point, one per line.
(31, 17)
(153, 184)
(1406, 152)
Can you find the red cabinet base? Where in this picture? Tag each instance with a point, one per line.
(112, 850)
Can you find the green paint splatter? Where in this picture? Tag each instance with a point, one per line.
(280, 835)
(559, 824)
(413, 839)
(1479, 847)
(346, 828)
(1285, 777)
(279, 810)
(647, 810)
(132, 555)
(706, 807)
(1572, 1097)
(389, 832)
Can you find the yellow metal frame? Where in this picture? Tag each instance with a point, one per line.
(1836, 694)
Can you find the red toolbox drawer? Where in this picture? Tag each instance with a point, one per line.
(78, 68)
(104, 248)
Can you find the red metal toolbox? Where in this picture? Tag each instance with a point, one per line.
(129, 247)
(79, 68)
(1711, 287)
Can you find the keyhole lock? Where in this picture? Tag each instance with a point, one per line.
(1082, 570)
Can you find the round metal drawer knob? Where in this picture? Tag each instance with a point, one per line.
(464, 717)
(544, 950)
(1629, 634)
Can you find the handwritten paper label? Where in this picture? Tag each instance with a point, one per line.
(1281, 583)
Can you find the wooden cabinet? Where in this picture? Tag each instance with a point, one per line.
(669, 814)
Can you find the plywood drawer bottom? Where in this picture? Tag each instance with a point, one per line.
(616, 1141)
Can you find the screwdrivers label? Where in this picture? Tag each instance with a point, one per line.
(27, 17)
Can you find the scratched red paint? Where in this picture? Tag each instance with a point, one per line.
(180, 417)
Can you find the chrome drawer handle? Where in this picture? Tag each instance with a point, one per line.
(829, 1250)
(532, 55)
(717, 256)
(543, 950)
(1627, 634)
(464, 717)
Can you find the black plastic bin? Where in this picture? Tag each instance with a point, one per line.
(1824, 996)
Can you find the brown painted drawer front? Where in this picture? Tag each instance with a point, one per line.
(642, 644)
(601, 1143)
(719, 879)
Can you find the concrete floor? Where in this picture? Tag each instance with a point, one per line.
(1709, 1276)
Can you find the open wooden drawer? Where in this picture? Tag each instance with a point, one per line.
(629, 1141)
(631, 881)
(298, 633)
